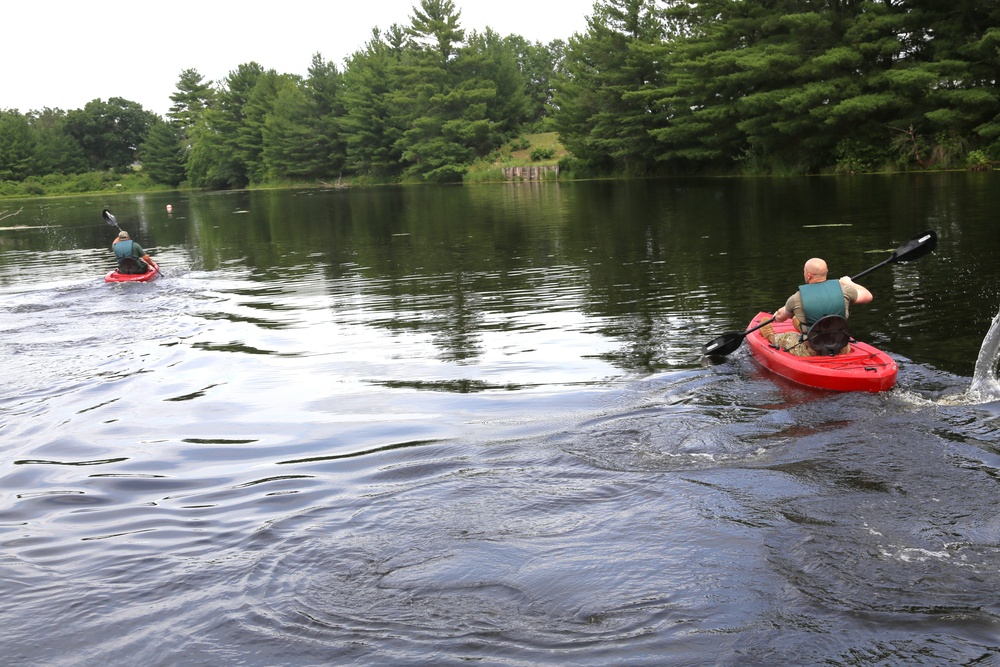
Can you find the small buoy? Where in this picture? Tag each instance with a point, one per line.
(169, 208)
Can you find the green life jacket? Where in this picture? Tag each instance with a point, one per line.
(123, 249)
(127, 261)
(822, 299)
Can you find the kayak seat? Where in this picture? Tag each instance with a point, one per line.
(829, 335)
(131, 265)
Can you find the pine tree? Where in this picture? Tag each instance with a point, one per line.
(370, 129)
(163, 154)
(192, 97)
(604, 116)
(17, 147)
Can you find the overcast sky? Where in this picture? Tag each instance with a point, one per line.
(64, 53)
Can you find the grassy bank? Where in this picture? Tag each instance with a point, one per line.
(93, 182)
(539, 150)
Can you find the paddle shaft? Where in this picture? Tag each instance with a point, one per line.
(917, 247)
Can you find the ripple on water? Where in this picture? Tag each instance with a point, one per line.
(495, 559)
(704, 420)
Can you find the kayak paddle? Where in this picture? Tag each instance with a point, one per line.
(913, 249)
(110, 218)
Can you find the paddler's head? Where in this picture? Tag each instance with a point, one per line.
(815, 270)
(122, 235)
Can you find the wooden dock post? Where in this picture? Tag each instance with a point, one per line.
(530, 173)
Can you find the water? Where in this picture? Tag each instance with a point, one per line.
(440, 425)
(985, 386)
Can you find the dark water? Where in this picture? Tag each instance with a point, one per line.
(412, 426)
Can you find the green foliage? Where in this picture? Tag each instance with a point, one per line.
(91, 181)
(163, 154)
(979, 161)
(856, 156)
(541, 67)
(17, 146)
(539, 154)
(756, 86)
(785, 85)
(227, 142)
(192, 97)
(111, 132)
(56, 152)
(605, 114)
(448, 95)
(370, 124)
(487, 175)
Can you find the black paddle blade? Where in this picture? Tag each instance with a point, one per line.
(723, 345)
(916, 247)
(110, 218)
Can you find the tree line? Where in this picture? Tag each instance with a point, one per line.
(649, 87)
(783, 86)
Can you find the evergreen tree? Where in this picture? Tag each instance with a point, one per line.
(250, 133)
(448, 94)
(292, 148)
(604, 116)
(224, 150)
(192, 97)
(325, 90)
(490, 62)
(163, 154)
(426, 100)
(17, 147)
(951, 70)
(371, 131)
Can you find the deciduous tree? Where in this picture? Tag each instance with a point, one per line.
(111, 132)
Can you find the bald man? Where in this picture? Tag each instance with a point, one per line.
(815, 299)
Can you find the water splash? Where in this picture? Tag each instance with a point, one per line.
(985, 385)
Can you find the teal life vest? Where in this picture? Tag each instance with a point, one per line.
(820, 300)
(123, 249)
(127, 261)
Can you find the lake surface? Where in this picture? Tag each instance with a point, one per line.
(435, 425)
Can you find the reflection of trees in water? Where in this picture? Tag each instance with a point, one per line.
(639, 258)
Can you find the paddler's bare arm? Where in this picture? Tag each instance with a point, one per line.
(864, 296)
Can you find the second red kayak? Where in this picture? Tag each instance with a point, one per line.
(864, 368)
(116, 277)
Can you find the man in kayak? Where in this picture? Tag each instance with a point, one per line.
(815, 299)
(131, 257)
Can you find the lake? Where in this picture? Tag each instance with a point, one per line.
(442, 424)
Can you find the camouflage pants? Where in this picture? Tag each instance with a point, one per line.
(789, 341)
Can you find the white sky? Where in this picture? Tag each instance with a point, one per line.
(64, 53)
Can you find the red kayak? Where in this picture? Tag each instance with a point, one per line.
(864, 368)
(116, 277)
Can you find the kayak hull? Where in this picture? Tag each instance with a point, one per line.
(864, 368)
(115, 277)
